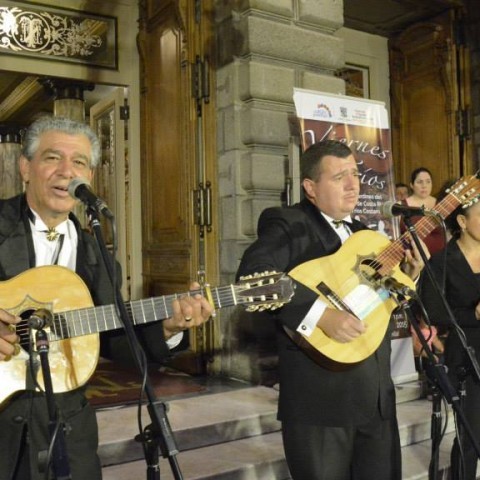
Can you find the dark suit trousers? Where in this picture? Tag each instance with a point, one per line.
(366, 452)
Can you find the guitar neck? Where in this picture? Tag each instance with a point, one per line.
(104, 318)
(395, 252)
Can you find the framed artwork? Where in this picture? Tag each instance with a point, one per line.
(357, 80)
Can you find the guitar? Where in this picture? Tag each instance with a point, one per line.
(349, 278)
(73, 334)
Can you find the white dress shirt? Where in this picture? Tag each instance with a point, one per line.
(309, 323)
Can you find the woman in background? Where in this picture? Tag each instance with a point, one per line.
(458, 275)
(421, 186)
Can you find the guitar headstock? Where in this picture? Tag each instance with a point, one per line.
(264, 291)
(466, 190)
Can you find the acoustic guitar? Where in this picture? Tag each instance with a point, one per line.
(351, 277)
(75, 327)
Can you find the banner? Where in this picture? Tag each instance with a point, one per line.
(363, 125)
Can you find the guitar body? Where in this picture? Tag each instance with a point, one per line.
(75, 323)
(347, 274)
(73, 360)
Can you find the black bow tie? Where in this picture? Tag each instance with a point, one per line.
(339, 223)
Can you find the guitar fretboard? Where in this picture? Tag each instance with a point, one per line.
(394, 253)
(103, 318)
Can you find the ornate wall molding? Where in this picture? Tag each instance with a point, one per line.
(58, 34)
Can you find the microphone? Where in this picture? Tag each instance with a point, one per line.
(393, 285)
(40, 319)
(392, 209)
(80, 189)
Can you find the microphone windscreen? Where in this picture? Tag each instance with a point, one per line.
(387, 209)
(75, 183)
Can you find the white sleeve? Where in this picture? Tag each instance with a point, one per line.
(311, 318)
(174, 340)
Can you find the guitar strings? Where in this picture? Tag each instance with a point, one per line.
(394, 253)
(102, 318)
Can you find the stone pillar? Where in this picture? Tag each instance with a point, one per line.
(68, 97)
(265, 49)
(10, 150)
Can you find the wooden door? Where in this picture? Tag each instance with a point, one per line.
(430, 100)
(178, 156)
(110, 181)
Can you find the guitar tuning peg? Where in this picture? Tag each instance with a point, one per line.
(245, 277)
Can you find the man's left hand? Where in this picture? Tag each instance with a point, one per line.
(413, 262)
(188, 311)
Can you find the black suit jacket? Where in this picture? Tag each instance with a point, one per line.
(462, 291)
(310, 393)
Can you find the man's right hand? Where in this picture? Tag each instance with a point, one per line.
(340, 325)
(8, 337)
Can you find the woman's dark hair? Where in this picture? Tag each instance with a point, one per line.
(451, 221)
(313, 155)
(417, 171)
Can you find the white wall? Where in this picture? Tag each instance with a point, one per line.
(369, 51)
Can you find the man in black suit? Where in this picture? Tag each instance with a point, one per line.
(37, 228)
(336, 425)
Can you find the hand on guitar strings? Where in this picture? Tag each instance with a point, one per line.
(340, 325)
(412, 263)
(9, 341)
(188, 311)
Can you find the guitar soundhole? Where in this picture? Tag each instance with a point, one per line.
(368, 270)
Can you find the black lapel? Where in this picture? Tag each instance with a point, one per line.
(16, 248)
(86, 258)
(323, 230)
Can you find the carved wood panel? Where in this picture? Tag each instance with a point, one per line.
(171, 133)
(427, 89)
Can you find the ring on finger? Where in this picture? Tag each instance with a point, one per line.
(188, 319)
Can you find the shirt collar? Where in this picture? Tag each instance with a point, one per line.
(330, 220)
(39, 225)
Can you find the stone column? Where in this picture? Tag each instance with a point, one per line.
(68, 97)
(10, 150)
(265, 49)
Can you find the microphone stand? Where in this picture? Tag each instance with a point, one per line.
(159, 434)
(60, 463)
(437, 372)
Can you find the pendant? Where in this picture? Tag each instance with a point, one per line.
(52, 234)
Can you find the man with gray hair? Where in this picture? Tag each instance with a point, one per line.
(38, 228)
